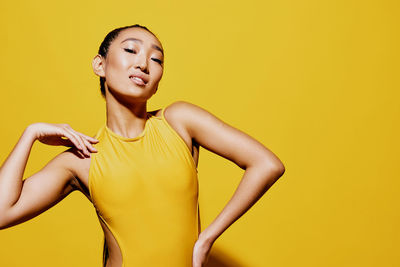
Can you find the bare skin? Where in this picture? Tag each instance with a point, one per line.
(126, 103)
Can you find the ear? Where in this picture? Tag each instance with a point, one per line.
(98, 66)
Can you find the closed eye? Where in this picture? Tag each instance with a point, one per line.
(134, 52)
(129, 50)
(157, 60)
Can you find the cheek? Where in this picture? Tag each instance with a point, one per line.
(158, 74)
(116, 67)
(119, 61)
(116, 60)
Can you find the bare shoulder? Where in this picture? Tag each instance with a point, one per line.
(72, 161)
(187, 116)
(179, 113)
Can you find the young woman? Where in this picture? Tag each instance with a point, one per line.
(140, 169)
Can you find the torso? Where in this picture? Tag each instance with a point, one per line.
(81, 183)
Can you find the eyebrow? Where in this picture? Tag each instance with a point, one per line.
(140, 41)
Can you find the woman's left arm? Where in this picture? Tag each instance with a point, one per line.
(262, 167)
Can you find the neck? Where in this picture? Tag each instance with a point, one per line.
(125, 119)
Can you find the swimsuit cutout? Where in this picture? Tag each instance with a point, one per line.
(145, 190)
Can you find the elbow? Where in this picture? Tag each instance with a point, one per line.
(275, 169)
(280, 169)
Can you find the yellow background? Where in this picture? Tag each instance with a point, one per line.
(317, 82)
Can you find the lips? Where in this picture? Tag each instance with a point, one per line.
(137, 81)
(139, 78)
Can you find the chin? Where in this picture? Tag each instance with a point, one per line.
(134, 92)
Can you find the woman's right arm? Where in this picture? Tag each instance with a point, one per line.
(21, 200)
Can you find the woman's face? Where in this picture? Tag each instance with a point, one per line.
(135, 52)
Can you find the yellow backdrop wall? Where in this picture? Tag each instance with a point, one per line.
(317, 82)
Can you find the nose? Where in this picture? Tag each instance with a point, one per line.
(141, 62)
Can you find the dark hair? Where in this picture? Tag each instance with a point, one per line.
(103, 49)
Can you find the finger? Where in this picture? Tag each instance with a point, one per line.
(89, 138)
(72, 138)
(93, 139)
(86, 142)
(79, 139)
(89, 145)
(85, 149)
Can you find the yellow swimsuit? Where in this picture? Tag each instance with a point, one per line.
(145, 189)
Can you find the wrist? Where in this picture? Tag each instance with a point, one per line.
(30, 133)
(206, 237)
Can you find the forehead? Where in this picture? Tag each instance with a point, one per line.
(138, 33)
